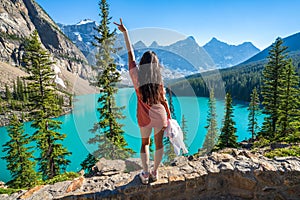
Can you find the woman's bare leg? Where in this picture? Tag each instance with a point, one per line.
(145, 134)
(159, 147)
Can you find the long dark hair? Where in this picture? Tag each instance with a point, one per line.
(150, 80)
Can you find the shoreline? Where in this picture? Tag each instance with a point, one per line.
(4, 119)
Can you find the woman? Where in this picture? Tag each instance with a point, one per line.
(152, 108)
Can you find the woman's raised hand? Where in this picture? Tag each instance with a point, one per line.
(121, 27)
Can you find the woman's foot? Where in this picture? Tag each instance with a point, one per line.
(144, 176)
(154, 175)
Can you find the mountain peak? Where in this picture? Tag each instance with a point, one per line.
(215, 41)
(154, 44)
(249, 45)
(191, 38)
(139, 45)
(189, 41)
(226, 55)
(85, 21)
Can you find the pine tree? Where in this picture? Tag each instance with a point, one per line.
(169, 153)
(212, 129)
(44, 106)
(271, 87)
(25, 92)
(184, 129)
(289, 107)
(88, 163)
(15, 94)
(19, 156)
(108, 131)
(253, 113)
(20, 90)
(227, 137)
(1, 105)
(169, 149)
(151, 148)
(8, 94)
(171, 106)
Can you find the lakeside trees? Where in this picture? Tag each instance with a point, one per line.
(270, 89)
(108, 131)
(289, 108)
(39, 99)
(280, 93)
(184, 129)
(212, 134)
(227, 137)
(19, 156)
(169, 153)
(253, 113)
(43, 107)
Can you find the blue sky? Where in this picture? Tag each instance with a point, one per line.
(231, 21)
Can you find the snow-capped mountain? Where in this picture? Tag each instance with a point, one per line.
(182, 58)
(81, 34)
(179, 59)
(225, 55)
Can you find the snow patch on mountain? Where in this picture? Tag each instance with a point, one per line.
(79, 38)
(85, 21)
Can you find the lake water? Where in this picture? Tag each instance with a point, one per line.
(77, 124)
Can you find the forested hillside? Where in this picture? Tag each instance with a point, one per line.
(238, 80)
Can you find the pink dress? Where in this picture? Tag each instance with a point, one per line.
(148, 116)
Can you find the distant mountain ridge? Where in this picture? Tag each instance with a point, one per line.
(238, 80)
(182, 58)
(225, 55)
(214, 54)
(292, 41)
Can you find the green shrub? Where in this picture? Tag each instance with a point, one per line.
(284, 152)
(292, 138)
(62, 177)
(8, 191)
(262, 142)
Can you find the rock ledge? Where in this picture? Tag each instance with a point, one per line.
(229, 174)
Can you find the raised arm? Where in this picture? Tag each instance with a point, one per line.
(130, 51)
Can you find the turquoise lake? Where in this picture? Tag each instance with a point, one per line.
(77, 124)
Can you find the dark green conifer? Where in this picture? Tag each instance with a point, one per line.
(20, 90)
(228, 136)
(169, 153)
(44, 106)
(184, 130)
(253, 113)
(88, 163)
(2, 109)
(8, 94)
(212, 126)
(289, 107)
(19, 156)
(108, 131)
(171, 106)
(15, 94)
(272, 78)
(169, 149)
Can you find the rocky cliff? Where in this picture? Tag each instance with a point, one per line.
(18, 19)
(229, 174)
